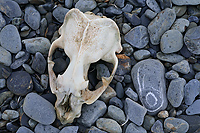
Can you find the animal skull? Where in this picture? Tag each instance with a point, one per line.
(85, 38)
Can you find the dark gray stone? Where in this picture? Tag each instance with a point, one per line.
(171, 75)
(11, 127)
(119, 90)
(185, 2)
(127, 49)
(39, 63)
(24, 129)
(175, 91)
(90, 113)
(2, 83)
(2, 21)
(148, 122)
(94, 129)
(20, 54)
(126, 28)
(194, 108)
(113, 10)
(5, 57)
(179, 10)
(35, 106)
(131, 94)
(17, 63)
(153, 5)
(182, 67)
(157, 127)
(21, 1)
(5, 95)
(124, 65)
(134, 111)
(191, 90)
(40, 128)
(10, 114)
(197, 75)
(60, 65)
(132, 128)
(108, 125)
(10, 8)
(196, 67)
(116, 114)
(191, 39)
(138, 37)
(102, 71)
(159, 25)
(193, 19)
(193, 11)
(13, 44)
(32, 17)
(28, 69)
(172, 58)
(20, 86)
(107, 94)
(138, 2)
(132, 18)
(116, 101)
(119, 3)
(69, 129)
(149, 81)
(180, 24)
(176, 125)
(150, 14)
(165, 3)
(59, 13)
(128, 8)
(127, 79)
(86, 5)
(43, 26)
(141, 54)
(68, 3)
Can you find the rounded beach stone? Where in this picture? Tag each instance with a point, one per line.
(59, 13)
(39, 109)
(108, 125)
(191, 39)
(32, 17)
(5, 57)
(127, 49)
(175, 92)
(40, 128)
(138, 37)
(171, 75)
(94, 129)
(180, 24)
(163, 114)
(176, 125)
(69, 129)
(24, 129)
(10, 114)
(179, 10)
(141, 54)
(172, 58)
(13, 44)
(102, 71)
(153, 5)
(20, 86)
(86, 5)
(148, 122)
(194, 108)
(182, 67)
(2, 21)
(171, 41)
(116, 114)
(149, 81)
(159, 25)
(39, 63)
(157, 127)
(185, 2)
(132, 128)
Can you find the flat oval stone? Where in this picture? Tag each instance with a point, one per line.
(153, 5)
(194, 108)
(69, 129)
(132, 128)
(37, 44)
(86, 5)
(159, 25)
(176, 125)
(108, 125)
(20, 86)
(24, 129)
(138, 37)
(180, 24)
(179, 10)
(17, 63)
(5, 57)
(40, 128)
(175, 92)
(59, 13)
(141, 54)
(10, 114)
(39, 109)
(32, 17)
(192, 39)
(149, 81)
(13, 44)
(182, 67)
(171, 41)
(185, 2)
(39, 63)
(172, 58)
(10, 8)
(116, 114)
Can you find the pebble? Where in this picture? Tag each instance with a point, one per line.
(139, 3)
(40, 128)
(134, 111)
(193, 19)
(148, 122)
(194, 108)
(119, 90)
(191, 90)
(10, 114)
(175, 91)
(37, 44)
(5, 95)
(2, 21)
(32, 123)
(127, 49)
(197, 75)
(13, 104)
(171, 41)
(5, 57)
(113, 10)
(132, 128)
(3, 123)
(13, 44)
(17, 63)
(43, 26)
(179, 10)
(150, 14)
(165, 3)
(157, 127)
(127, 79)
(172, 58)
(85, 5)
(90, 113)
(59, 13)
(35, 106)
(15, 84)
(163, 114)
(153, 5)
(127, 8)
(32, 17)
(94, 129)
(159, 25)
(10, 8)
(11, 127)
(191, 40)
(39, 63)
(171, 75)
(108, 125)
(126, 28)
(138, 37)
(185, 2)
(116, 114)
(180, 24)
(124, 65)
(68, 3)
(148, 79)
(132, 18)
(44, 80)
(108, 94)
(69, 129)
(141, 54)
(116, 101)
(24, 129)
(37, 1)
(119, 3)
(102, 71)
(20, 54)
(37, 86)
(60, 65)
(131, 94)
(2, 83)
(28, 68)
(196, 67)
(182, 67)
(176, 125)
(193, 11)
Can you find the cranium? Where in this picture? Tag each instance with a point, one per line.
(85, 38)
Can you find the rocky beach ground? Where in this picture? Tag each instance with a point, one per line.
(156, 88)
